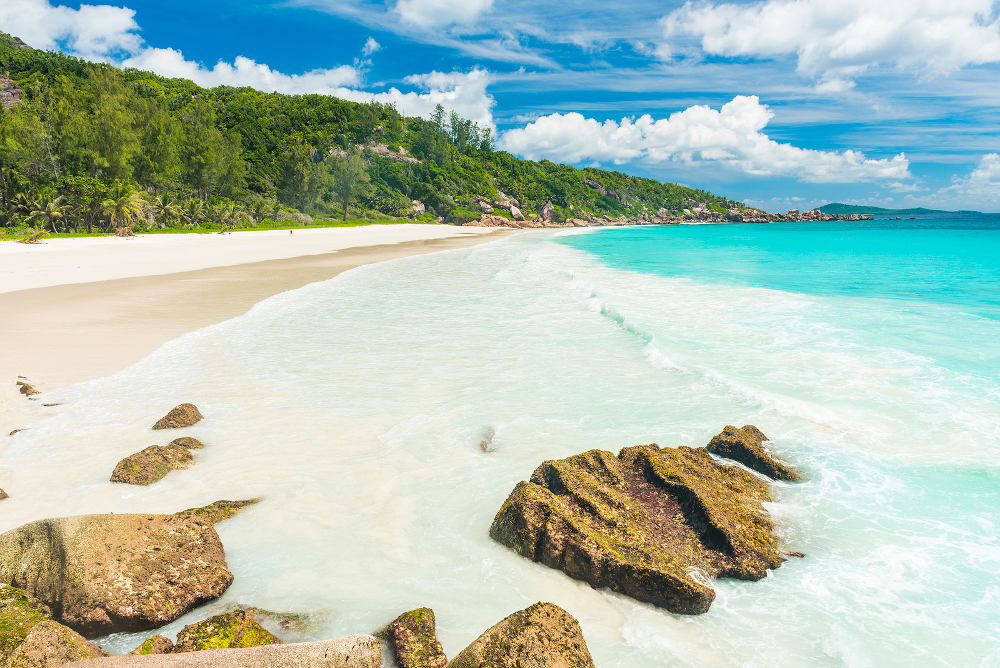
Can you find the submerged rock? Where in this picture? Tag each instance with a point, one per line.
(413, 636)
(228, 630)
(542, 636)
(156, 645)
(356, 651)
(187, 442)
(654, 524)
(218, 511)
(746, 446)
(26, 389)
(181, 416)
(4, 495)
(29, 637)
(151, 464)
(105, 573)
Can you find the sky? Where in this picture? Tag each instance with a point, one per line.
(777, 103)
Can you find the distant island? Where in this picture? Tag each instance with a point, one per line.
(837, 208)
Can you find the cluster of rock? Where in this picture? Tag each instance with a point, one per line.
(542, 636)
(10, 94)
(379, 149)
(656, 524)
(691, 212)
(152, 464)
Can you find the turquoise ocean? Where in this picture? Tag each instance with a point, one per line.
(869, 352)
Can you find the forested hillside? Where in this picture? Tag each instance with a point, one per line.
(86, 146)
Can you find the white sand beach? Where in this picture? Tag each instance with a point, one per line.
(76, 309)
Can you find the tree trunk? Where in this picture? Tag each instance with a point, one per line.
(347, 203)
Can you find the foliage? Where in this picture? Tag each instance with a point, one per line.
(94, 147)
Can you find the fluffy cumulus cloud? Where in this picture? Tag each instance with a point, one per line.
(430, 13)
(730, 137)
(92, 31)
(982, 185)
(461, 92)
(243, 72)
(837, 40)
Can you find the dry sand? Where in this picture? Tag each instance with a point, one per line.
(63, 322)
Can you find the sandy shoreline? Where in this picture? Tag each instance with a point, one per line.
(61, 330)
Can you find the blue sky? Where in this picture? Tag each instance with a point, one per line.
(779, 103)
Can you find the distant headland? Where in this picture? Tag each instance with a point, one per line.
(847, 209)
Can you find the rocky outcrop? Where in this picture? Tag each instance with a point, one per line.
(516, 214)
(356, 651)
(542, 636)
(413, 637)
(156, 645)
(746, 446)
(10, 94)
(396, 156)
(228, 630)
(547, 212)
(187, 442)
(218, 511)
(105, 573)
(654, 524)
(179, 417)
(29, 637)
(417, 208)
(151, 464)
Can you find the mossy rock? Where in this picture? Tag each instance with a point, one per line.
(151, 464)
(19, 613)
(413, 636)
(654, 524)
(746, 446)
(156, 645)
(29, 637)
(542, 636)
(228, 630)
(188, 442)
(179, 417)
(218, 511)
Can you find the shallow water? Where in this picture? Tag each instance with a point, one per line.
(356, 408)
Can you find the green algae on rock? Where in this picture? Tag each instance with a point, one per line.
(654, 524)
(413, 636)
(180, 416)
(188, 442)
(219, 510)
(746, 446)
(155, 645)
(151, 464)
(230, 629)
(29, 637)
(105, 573)
(541, 636)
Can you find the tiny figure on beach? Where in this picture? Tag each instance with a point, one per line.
(289, 232)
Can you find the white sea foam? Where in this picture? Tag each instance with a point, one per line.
(357, 407)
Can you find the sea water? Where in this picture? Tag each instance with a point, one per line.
(356, 408)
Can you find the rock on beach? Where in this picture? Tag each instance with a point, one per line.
(746, 446)
(179, 417)
(151, 464)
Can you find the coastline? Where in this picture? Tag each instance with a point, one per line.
(75, 330)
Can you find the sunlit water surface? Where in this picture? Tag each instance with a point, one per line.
(356, 407)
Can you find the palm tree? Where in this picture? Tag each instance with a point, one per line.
(47, 210)
(165, 209)
(194, 212)
(229, 215)
(123, 206)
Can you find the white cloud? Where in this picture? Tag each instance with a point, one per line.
(461, 92)
(91, 31)
(243, 72)
(838, 40)
(429, 13)
(983, 184)
(370, 47)
(731, 137)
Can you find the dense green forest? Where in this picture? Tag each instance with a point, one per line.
(88, 147)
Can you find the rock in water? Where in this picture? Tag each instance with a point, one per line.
(3, 495)
(151, 464)
(181, 416)
(355, 651)
(29, 638)
(187, 442)
(105, 573)
(654, 524)
(414, 640)
(542, 636)
(746, 446)
(155, 645)
(228, 630)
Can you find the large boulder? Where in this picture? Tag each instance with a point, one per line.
(29, 637)
(228, 630)
(746, 446)
(181, 416)
(357, 651)
(105, 573)
(413, 636)
(151, 464)
(547, 212)
(542, 636)
(654, 524)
